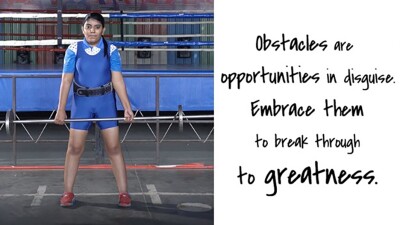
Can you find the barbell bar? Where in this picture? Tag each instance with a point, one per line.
(9, 120)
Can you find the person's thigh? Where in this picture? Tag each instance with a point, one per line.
(111, 139)
(81, 109)
(106, 108)
(77, 139)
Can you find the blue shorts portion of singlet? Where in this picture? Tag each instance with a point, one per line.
(101, 106)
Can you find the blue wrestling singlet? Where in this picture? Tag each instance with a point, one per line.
(92, 69)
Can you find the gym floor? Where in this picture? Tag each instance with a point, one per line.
(177, 190)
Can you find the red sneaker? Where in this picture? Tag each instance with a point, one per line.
(67, 199)
(124, 200)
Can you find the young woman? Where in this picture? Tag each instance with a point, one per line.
(93, 67)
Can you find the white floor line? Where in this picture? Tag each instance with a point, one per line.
(37, 200)
(109, 194)
(185, 194)
(155, 198)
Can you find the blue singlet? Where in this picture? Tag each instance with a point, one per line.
(92, 69)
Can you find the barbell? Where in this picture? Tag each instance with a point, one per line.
(9, 120)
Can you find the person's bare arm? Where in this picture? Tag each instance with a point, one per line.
(66, 82)
(120, 88)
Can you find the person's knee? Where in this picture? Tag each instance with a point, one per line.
(77, 140)
(114, 149)
(75, 149)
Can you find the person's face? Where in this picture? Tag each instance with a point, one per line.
(92, 29)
